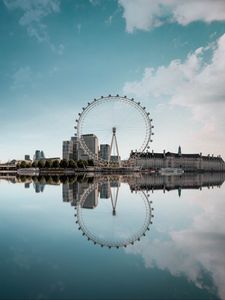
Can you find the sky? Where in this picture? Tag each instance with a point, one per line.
(56, 55)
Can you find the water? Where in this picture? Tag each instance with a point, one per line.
(114, 237)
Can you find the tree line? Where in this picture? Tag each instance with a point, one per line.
(63, 163)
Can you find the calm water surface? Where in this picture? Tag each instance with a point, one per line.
(113, 237)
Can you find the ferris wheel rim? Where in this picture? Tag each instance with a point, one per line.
(104, 99)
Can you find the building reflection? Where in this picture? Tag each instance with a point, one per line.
(72, 192)
(168, 183)
(104, 190)
(38, 187)
(73, 188)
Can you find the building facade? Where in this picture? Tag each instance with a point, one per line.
(187, 162)
(73, 150)
(38, 155)
(104, 152)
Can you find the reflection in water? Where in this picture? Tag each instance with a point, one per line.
(116, 211)
(112, 221)
(103, 225)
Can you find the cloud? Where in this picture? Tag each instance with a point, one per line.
(147, 14)
(197, 83)
(33, 13)
(193, 251)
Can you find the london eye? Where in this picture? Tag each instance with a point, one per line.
(119, 122)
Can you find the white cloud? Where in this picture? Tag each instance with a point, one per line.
(147, 14)
(194, 250)
(193, 84)
(33, 13)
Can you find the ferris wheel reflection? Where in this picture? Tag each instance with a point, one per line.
(107, 213)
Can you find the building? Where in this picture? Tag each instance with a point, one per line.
(67, 150)
(39, 154)
(104, 152)
(27, 157)
(187, 162)
(91, 142)
(73, 150)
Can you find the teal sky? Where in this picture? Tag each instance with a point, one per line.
(55, 56)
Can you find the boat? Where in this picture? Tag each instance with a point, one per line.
(171, 171)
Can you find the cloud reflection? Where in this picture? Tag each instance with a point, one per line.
(194, 251)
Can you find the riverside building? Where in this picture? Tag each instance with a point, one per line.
(187, 162)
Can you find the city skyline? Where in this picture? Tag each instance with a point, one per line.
(56, 56)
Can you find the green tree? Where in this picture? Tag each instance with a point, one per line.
(90, 162)
(34, 164)
(72, 164)
(82, 163)
(64, 163)
(28, 164)
(48, 164)
(23, 164)
(41, 164)
(85, 163)
(55, 164)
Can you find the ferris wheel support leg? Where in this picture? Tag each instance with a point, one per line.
(114, 140)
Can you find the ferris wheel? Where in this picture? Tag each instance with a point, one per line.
(110, 223)
(119, 123)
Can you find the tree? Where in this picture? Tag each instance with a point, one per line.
(28, 164)
(48, 164)
(55, 164)
(34, 164)
(85, 163)
(90, 162)
(64, 163)
(80, 163)
(23, 164)
(72, 164)
(41, 163)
